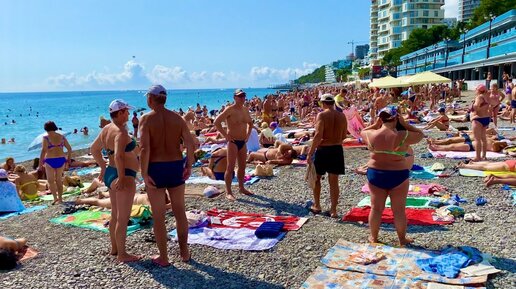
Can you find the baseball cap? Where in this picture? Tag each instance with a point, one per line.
(481, 88)
(157, 89)
(119, 104)
(273, 124)
(390, 110)
(3, 174)
(327, 97)
(239, 92)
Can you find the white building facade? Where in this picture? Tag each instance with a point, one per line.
(392, 21)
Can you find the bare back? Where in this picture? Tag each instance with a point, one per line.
(334, 127)
(108, 136)
(165, 130)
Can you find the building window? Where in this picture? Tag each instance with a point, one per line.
(436, 13)
(425, 13)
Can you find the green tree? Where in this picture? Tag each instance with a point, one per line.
(488, 8)
(363, 72)
(316, 76)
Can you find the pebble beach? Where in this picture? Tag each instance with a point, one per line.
(77, 258)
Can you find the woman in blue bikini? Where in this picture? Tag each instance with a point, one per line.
(120, 174)
(54, 159)
(388, 168)
(480, 119)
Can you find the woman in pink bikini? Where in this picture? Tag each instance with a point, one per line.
(53, 159)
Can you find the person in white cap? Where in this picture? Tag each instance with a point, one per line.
(164, 169)
(239, 127)
(120, 174)
(330, 131)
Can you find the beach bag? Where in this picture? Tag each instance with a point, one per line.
(311, 175)
(263, 171)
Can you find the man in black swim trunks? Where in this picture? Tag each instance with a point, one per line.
(239, 127)
(330, 131)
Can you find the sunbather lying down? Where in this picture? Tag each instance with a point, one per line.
(503, 180)
(139, 199)
(505, 166)
(468, 146)
(9, 250)
(283, 155)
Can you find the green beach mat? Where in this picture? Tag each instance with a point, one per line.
(94, 220)
(75, 192)
(412, 202)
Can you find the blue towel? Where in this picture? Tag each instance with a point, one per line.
(269, 230)
(450, 261)
(26, 211)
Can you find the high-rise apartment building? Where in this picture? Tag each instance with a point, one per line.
(393, 20)
(466, 8)
(361, 51)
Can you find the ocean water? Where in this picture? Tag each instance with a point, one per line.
(74, 110)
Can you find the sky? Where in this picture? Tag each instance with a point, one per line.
(59, 45)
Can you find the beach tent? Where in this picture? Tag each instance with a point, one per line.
(394, 82)
(378, 82)
(426, 78)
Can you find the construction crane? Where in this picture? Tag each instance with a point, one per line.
(353, 42)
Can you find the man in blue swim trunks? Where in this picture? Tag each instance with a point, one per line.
(163, 134)
(239, 128)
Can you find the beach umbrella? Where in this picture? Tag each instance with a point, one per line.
(427, 77)
(394, 82)
(36, 143)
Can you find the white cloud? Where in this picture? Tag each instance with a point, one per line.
(451, 8)
(171, 75)
(135, 76)
(133, 73)
(273, 75)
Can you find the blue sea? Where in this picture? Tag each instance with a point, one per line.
(74, 110)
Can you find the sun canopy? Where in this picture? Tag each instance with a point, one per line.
(380, 81)
(426, 78)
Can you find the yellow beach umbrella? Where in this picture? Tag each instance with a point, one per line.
(426, 78)
(395, 82)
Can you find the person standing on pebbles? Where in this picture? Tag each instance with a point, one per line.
(119, 176)
(239, 127)
(388, 141)
(162, 132)
(330, 131)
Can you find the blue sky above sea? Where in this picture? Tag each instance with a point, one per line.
(54, 45)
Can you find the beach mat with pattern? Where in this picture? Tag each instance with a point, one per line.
(327, 278)
(419, 217)
(464, 155)
(94, 220)
(412, 202)
(398, 262)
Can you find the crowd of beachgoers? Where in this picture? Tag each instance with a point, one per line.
(148, 159)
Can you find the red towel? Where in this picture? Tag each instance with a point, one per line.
(421, 217)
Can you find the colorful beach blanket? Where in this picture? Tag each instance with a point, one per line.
(4, 216)
(95, 220)
(75, 191)
(419, 217)
(235, 220)
(416, 189)
(398, 262)
(420, 203)
(85, 171)
(477, 173)
(463, 155)
(229, 239)
(425, 174)
(327, 278)
(355, 122)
